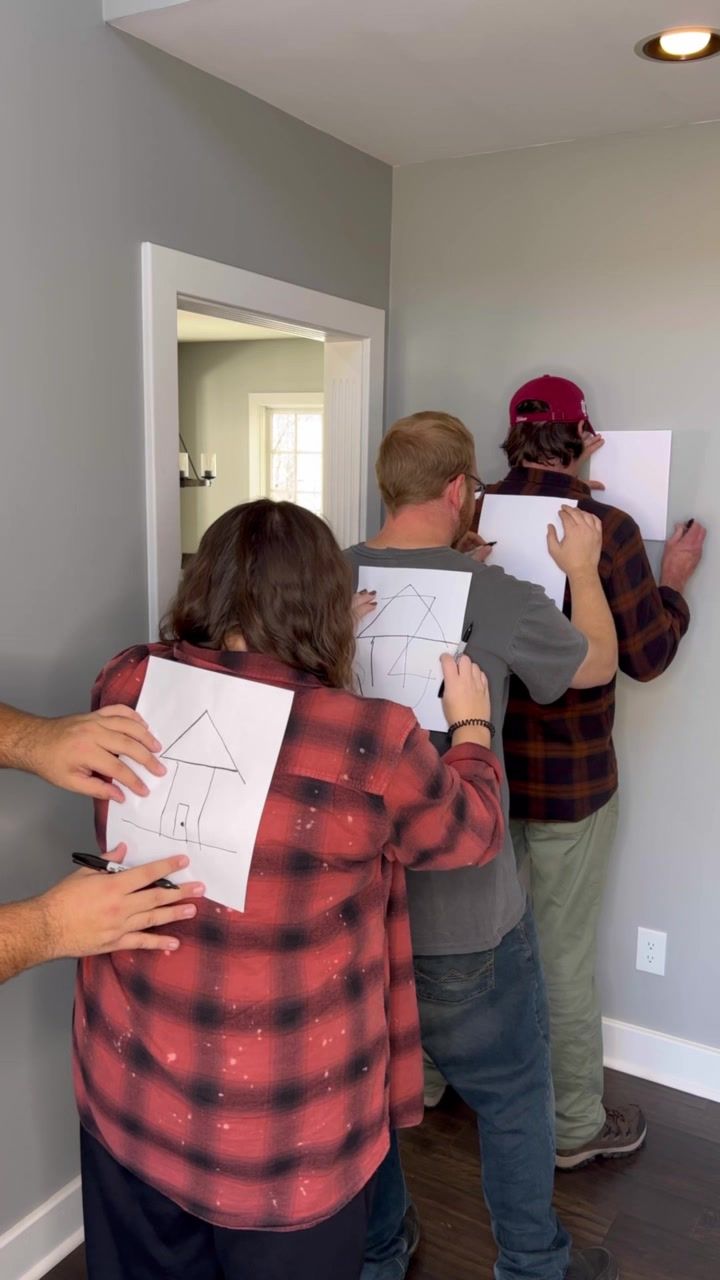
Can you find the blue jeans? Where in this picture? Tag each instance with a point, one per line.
(484, 1021)
(386, 1251)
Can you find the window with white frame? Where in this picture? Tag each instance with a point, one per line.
(286, 448)
(295, 456)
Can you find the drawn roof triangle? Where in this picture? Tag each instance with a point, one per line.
(201, 743)
(406, 613)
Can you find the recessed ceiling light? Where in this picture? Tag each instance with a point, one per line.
(684, 45)
(679, 44)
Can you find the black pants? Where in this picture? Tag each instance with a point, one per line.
(135, 1233)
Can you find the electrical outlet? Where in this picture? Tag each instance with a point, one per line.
(651, 946)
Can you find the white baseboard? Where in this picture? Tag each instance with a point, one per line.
(47, 1235)
(679, 1064)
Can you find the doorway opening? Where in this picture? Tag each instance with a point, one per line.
(251, 418)
(252, 386)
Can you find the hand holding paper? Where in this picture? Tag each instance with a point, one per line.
(466, 694)
(517, 525)
(591, 443)
(580, 548)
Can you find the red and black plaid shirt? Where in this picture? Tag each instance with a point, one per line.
(253, 1075)
(560, 758)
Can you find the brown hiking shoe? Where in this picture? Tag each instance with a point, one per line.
(623, 1132)
(592, 1264)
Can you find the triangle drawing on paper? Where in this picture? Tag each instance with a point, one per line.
(407, 614)
(201, 743)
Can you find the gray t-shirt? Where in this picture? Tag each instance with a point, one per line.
(516, 628)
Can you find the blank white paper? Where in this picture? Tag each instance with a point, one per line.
(221, 738)
(419, 616)
(518, 523)
(634, 466)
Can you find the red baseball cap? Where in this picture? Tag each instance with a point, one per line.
(549, 399)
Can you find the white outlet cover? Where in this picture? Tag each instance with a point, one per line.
(651, 948)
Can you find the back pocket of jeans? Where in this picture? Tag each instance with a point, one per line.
(454, 979)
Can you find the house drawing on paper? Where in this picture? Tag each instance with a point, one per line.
(200, 757)
(401, 643)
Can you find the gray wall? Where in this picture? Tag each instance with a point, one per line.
(599, 260)
(104, 143)
(216, 379)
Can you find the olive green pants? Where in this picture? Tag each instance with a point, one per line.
(564, 866)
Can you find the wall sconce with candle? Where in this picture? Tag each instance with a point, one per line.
(202, 478)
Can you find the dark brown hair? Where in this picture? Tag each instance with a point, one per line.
(543, 442)
(419, 455)
(272, 572)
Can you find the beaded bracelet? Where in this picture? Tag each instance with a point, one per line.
(460, 724)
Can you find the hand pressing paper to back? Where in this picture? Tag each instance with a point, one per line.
(518, 526)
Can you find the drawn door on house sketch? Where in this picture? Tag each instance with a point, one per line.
(198, 754)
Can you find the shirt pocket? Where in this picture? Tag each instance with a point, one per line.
(454, 979)
(358, 823)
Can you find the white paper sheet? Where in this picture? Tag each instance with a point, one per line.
(221, 738)
(419, 616)
(634, 466)
(518, 524)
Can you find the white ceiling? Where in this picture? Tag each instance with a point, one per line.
(414, 80)
(194, 327)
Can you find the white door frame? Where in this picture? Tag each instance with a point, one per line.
(354, 372)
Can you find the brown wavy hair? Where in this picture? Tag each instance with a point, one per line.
(543, 442)
(273, 573)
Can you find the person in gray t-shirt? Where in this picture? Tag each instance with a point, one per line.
(480, 988)
(515, 628)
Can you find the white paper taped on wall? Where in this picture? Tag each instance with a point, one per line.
(223, 737)
(518, 524)
(419, 616)
(634, 466)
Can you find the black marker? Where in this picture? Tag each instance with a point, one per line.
(460, 649)
(689, 524)
(96, 863)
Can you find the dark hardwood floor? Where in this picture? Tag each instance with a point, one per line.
(659, 1211)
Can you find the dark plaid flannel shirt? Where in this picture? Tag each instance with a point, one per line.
(560, 758)
(253, 1076)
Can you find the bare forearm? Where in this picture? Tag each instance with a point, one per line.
(591, 615)
(473, 734)
(25, 938)
(17, 731)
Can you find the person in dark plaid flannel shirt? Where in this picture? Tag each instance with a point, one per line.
(236, 1097)
(561, 762)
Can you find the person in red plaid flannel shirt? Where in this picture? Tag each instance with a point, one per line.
(236, 1097)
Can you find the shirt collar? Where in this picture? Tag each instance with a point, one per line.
(252, 666)
(554, 484)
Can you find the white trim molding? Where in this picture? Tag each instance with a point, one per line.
(116, 10)
(354, 337)
(652, 1055)
(40, 1241)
